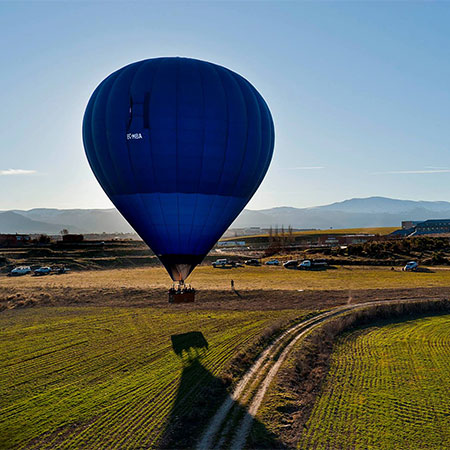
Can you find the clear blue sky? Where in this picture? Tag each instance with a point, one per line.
(359, 91)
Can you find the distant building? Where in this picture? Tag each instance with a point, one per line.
(14, 240)
(408, 224)
(416, 228)
(333, 240)
(231, 244)
(435, 226)
(344, 239)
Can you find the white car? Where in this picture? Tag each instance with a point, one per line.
(220, 263)
(411, 266)
(21, 270)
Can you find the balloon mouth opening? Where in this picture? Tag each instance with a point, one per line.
(179, 267)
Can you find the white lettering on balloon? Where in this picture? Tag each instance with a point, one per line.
(134, 136)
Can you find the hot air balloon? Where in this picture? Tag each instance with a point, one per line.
(180, 146)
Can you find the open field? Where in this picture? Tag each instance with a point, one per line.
(259, 288)
(93, 376)
(387, 388)
(108, 378)
(246, 278)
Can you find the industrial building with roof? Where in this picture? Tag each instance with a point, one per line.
(415, 228)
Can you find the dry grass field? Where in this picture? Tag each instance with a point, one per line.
(259, 288)
(245, 278)
(382, 231)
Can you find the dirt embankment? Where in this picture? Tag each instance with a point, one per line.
(17, 297)
(82, 256)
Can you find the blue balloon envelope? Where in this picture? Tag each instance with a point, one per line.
(179, 146)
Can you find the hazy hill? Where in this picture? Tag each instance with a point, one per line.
(13, 222)
(385, 205)
(81, 220)
(357, 212)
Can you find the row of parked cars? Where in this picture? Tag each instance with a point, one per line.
(44, 270)
(227, 264)
(307, 264)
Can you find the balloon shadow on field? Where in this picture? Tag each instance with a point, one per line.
(199, 395)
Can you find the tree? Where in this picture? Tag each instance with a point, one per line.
(43, 239)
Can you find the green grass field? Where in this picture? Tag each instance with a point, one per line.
(388, 388)
(206, 277)
(100, 378)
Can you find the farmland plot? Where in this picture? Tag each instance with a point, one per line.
(108, 378)
(388, 387)
(245, 278)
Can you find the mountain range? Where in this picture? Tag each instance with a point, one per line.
(353, 213)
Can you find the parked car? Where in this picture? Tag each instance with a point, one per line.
(60, 270)
(411, 266)
(21, 270)
(225, 264)
(43, 271)
(273, 262)
(292, 264)
(252, 262)
(220, 263)
(314, 264)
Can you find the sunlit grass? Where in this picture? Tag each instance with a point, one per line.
(98, 378)
(387, 388)
(206, 277)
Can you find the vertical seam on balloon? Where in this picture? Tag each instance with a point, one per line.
(255, 167)
(246, 139)
(177, 183)
(271, 142)
(130, 119)
(146, 112)
(92, 132)
(226, 146)
(262, 105)
(108, 153)
(138, 194)
(228, 131)
(104, 183)
(108, 99)
(159, 193)
(147, 95)
(243, 158)
(201, 157)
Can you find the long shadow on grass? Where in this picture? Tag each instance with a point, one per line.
(199, 395)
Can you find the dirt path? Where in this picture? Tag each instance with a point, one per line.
(250, 391)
